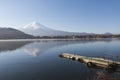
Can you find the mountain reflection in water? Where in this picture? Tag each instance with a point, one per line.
(39, 60)
(36, 47)
(12, 45)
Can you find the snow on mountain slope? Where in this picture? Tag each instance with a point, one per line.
(37, 29)
(34, 26)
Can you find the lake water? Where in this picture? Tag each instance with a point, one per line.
(39, 60)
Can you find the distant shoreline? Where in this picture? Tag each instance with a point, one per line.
(58, 39)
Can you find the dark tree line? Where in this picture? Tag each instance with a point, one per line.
(96, 36)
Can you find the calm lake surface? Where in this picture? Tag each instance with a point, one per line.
(39, 60)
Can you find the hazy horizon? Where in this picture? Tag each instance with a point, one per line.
(24, 28)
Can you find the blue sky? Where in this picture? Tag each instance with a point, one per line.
(96, 16)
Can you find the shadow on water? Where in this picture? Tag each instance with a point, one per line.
(9, 46)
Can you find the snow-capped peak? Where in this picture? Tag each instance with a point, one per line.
(37, 29)
(34, 26)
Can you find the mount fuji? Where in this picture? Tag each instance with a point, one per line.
(38, 29)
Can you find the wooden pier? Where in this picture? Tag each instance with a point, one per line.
(110, 65)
